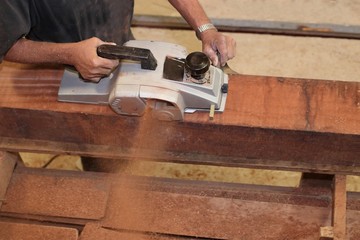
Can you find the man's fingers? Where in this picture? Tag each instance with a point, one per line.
(96, 73)
(226, 49)
(218, 47)
(231, 43)
(212, 55)
(108, 63)
(222, 48)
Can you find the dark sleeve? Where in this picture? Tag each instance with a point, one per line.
(14, 23)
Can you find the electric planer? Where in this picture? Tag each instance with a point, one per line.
(159, 75)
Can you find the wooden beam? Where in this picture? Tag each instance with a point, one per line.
(173, 208)
(269, 122)
(338, 229)
(339, 207)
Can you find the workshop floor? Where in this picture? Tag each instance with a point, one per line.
(268, 55)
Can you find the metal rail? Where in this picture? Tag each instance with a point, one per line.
(255, 26)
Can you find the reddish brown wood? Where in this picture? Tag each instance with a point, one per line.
(268, 122)
(52, 194)
(96, 231)
(339, 207)
(254, 101)
(7, 165)
(176, 208)
(16, 231)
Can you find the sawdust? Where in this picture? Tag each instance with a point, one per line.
(128, 200)
(309, 58)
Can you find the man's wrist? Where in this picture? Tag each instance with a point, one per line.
(203, 28)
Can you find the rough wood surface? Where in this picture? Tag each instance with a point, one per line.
(48, 193)
(254, 101)
(339, 207)
(268, 122)
(145, 206)
(96, 231)
(7, 165)
(16, 231)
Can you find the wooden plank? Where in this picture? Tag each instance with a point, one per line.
(16, 231)
(96, 231)
(217, 218)
(311, 164)
(7, 165)
(268, 122)
(319, 196)
(179, 209)
(267, 102)
(57, 194)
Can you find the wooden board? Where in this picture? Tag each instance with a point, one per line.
(175, 209)
(269, 122)
(96, 231)
(16, 231)
(49, 193)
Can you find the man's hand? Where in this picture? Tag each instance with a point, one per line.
(218, 47)
(82, 55)
(88, 63)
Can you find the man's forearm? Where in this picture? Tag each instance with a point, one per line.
(82, 55)
(191, 11)
(217, 46)
(28, 51)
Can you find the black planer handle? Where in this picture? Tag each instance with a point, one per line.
(145, 56)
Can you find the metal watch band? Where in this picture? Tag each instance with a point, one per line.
(203, 28)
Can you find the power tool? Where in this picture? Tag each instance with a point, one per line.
(157, 75)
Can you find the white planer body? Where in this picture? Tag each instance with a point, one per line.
(179, 83)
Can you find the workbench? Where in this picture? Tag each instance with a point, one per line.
(310, 126)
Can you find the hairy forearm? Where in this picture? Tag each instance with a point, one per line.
(28, 51)
(191, 11)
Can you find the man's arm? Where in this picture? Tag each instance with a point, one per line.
(214, 43)
(82, 55)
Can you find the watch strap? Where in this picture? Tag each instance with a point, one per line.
(203, 28)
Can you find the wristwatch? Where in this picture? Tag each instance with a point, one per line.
(203, 28)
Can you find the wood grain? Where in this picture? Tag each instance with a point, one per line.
(268, 122)
(174, 208)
